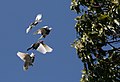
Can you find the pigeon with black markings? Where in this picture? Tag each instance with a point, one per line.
(41, 47)
(44, 31)
(28, 59)
(37, 20)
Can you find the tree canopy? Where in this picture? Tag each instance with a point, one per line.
(97, 40)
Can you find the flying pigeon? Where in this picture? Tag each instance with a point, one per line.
(44, 31)
(41, 47)
(33, 24)
(28, 59)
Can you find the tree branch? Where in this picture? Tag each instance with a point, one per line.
(114, 41)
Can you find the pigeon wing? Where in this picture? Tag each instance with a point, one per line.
(21, 55)
(38, 17)
(29, 28)
(41, 49)
(37, 32)
(32, 55)
(48, 49)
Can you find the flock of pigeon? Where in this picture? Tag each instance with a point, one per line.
(39, 45)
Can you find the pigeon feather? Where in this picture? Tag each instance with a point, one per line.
(41, 49)
(48, 49)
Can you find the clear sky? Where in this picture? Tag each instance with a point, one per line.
(62, 65)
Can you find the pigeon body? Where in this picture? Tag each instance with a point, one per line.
(28, 59)
(44, 31)
(41, 47)
(37, 20)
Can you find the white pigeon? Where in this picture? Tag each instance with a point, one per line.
(28, 59)
(33, 24)
(44, 31)
(41, 47)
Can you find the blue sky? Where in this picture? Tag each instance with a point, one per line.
(62, 65)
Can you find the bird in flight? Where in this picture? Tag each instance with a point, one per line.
(41, 47)
(27, 58)
(44, 31)
(33, 24)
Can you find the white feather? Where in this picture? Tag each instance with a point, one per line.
(38, 31)
(38, 17)
(48, 49)
(21, 55)
(41, 49)
(32, 55)
(45, 27)
(28, 29)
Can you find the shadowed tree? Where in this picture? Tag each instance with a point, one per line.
(97, 40)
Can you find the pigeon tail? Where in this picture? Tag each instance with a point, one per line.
(25, 68)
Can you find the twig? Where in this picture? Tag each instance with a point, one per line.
(114, 41)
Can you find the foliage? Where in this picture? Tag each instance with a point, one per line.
(97, 32)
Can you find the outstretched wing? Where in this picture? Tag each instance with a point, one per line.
(41, 49)
(42, 30)
(30, 27)
(32, 55)
(38, 17)
(48, 49)
(21, 55)
(45, 27)
(37, 32)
